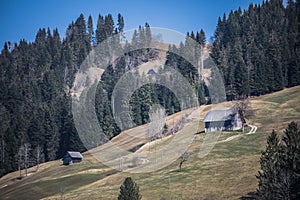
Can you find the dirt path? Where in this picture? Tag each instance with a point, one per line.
(252, 131)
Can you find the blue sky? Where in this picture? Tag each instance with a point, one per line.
(21, 19)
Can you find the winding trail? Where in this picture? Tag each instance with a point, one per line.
(252, 131)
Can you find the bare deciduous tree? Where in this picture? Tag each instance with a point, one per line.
(243, 108)
(39, 155)
(183, 158)
(24, 157)
(27, 148)
(157, 122)
(20, 159)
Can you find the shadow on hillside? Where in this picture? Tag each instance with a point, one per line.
(249, 196)
(200, 132)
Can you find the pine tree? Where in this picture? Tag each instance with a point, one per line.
(108, 25)
(291, 141)
(120, 23)
(200, 38)
(293, 38)
(129, 190)
(274, 65)
(280, 166)
(148, 34)
(100, 32)
(240, 80)
(135, 39)
(270, 168)
(136, 109)
(90, 29)
(142, 36)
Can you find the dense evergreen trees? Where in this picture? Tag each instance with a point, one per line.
(258, 50)
(35, 82)
(190, 71)
(280, 166)
(36, 78)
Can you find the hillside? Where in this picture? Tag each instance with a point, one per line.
(228, 172)
(256, 50)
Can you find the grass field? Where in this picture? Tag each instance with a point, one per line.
(227, 172)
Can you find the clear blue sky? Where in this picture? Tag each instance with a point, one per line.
(21, 19)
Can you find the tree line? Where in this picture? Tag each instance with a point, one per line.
(35, 82)
(257, 50)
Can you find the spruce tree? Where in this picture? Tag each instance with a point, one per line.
(148, 34)
(280, 166)
(291, 163)
(129, 190)
(90, 29)
(120, 23)
(270, 168)
(200, 38)
(108, 25)
(100, 32)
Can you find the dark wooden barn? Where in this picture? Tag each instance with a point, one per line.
(72, 157)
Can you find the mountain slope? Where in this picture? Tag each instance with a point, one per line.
(227, 172)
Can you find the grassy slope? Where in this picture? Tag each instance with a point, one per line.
(227, 172)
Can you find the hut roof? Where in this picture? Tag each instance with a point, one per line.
(75, 154)
(219, 115)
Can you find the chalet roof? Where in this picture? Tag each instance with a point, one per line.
(75, 154)
(219, 115)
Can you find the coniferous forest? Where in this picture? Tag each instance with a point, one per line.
(256, 50)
